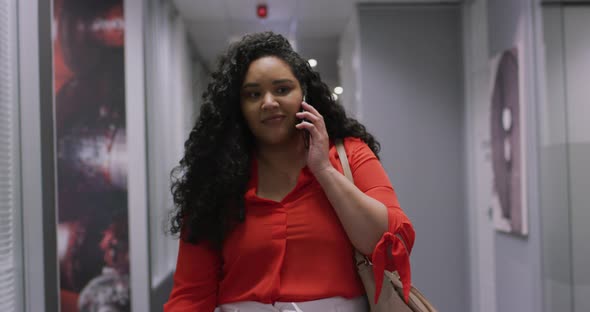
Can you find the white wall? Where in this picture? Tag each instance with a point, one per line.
(200, 81)
(478, 172)
(412, 100)
(136, 151)
(349, 67)
(174, 80)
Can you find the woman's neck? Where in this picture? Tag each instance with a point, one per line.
(287, 157)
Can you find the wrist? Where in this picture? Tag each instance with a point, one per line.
(324, 173)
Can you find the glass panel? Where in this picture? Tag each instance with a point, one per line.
(564, 155)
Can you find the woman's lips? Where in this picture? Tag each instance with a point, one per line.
(273, 120)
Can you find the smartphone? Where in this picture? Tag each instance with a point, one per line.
(305, 132)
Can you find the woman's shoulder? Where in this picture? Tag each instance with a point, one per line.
(356, 147)
(352, 144)
(357, 152)
(352, 141)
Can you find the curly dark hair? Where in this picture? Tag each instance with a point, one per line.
(209, 184)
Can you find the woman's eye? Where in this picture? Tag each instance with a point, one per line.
(253, 95)
(282, 90)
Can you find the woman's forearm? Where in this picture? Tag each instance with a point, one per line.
(364, 218)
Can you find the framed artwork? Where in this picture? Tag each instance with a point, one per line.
(91, 155)
(507, 142)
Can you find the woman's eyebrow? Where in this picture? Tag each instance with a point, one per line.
(250, 85)
(279, 81)
(275, 82)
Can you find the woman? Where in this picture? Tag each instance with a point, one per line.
(267, 221)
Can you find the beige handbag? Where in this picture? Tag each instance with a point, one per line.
(391, 298)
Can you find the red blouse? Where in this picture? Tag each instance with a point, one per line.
(292, 250)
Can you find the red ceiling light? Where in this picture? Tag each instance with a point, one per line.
(262, 10)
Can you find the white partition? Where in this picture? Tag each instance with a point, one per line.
(137, 171)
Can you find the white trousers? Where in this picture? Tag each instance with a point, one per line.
(334, 304)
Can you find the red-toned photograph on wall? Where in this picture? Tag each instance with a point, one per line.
(91, 155)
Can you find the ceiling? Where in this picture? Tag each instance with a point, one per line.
(313, 26)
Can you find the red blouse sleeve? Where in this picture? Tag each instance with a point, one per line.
(195, 280)
(392, 252)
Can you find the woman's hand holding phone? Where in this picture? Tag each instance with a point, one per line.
(318, 140)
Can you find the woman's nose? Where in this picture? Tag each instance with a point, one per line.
(269, 101)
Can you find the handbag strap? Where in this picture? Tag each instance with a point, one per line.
(360, 258)
(344, 160)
